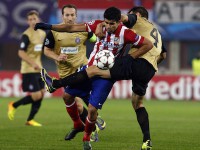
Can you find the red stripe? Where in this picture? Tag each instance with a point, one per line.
(141, 41)
(101, 4)
(117, 33)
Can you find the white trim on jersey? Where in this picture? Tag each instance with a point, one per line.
(136, 43)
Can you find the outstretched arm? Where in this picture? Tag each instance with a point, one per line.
(61, 27)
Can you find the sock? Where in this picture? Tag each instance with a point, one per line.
(84, 114)
(71, 80)
(89, 126)
(143, 120)
(73, 113)
(25, 100)
(34, 109)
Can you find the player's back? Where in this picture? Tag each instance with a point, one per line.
(148, 30)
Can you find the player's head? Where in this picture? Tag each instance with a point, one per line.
(139, 10)
(69, 14)
(32, 18)
(112, 16)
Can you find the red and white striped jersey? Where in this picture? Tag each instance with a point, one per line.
(114, 42)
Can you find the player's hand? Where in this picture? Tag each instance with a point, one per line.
(36, 67)
(99, 31)
(43, 26)
(62, 57)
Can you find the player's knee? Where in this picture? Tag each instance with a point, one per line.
(92, 113)
(137, 101)
(36, 96)
(68, 99)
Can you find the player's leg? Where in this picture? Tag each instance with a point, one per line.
(37, 94)
(99, 93)
(143, 120)
(72, 80)
(81, 109)
(140, 82)
(72, 109)
(36, 104)
(30, 83)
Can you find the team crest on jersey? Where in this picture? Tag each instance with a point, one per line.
(77, 40)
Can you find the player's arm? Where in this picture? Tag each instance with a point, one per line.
(163, 54)
(92, 37)
(129, 20)
(142, 44)
(61, 27)
(49, 47)
(22, 52)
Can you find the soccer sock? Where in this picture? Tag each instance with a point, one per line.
(84, 114)
(143, 120)
(71, 80)
(73, 112)
(34, 109)
(25, 100)
(89, 126)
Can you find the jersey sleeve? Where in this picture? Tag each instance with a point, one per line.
(49, 40)
(131, 37)
(132, 18)
(24, 42)
(92, 25)
(164, 50)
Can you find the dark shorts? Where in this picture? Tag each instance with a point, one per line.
(96, 88)
(32, 82)
(139, 70)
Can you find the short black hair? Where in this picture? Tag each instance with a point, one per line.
(112, 13)
(139, 9)
(69, 6)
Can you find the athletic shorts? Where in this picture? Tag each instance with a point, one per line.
(98, 89)
(32, 82)
(139, 70)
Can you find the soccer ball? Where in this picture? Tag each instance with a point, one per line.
(104, 59)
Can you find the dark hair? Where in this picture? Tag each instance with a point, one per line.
(32, 12)
(139, 9)
(69, 6)
(112, 13)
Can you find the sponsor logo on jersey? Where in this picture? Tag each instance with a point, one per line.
(69, 50)
(38, 47)
(111, 45)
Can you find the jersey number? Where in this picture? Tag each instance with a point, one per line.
(154, 34)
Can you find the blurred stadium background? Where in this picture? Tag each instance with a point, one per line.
(178, 22)
(172, 95)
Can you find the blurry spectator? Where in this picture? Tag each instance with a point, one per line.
(196, 65)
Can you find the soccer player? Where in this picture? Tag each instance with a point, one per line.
(69, 52)
(117, 37)
(30, 52)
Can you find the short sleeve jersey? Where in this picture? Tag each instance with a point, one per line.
(114, 42)
(32, 43)
(148, 30)
(71, 44)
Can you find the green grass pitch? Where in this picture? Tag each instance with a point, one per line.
(175, 125)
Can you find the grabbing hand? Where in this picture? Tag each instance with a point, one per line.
(43, 26)
(62, 57)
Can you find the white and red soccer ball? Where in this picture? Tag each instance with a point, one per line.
(104, 59)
